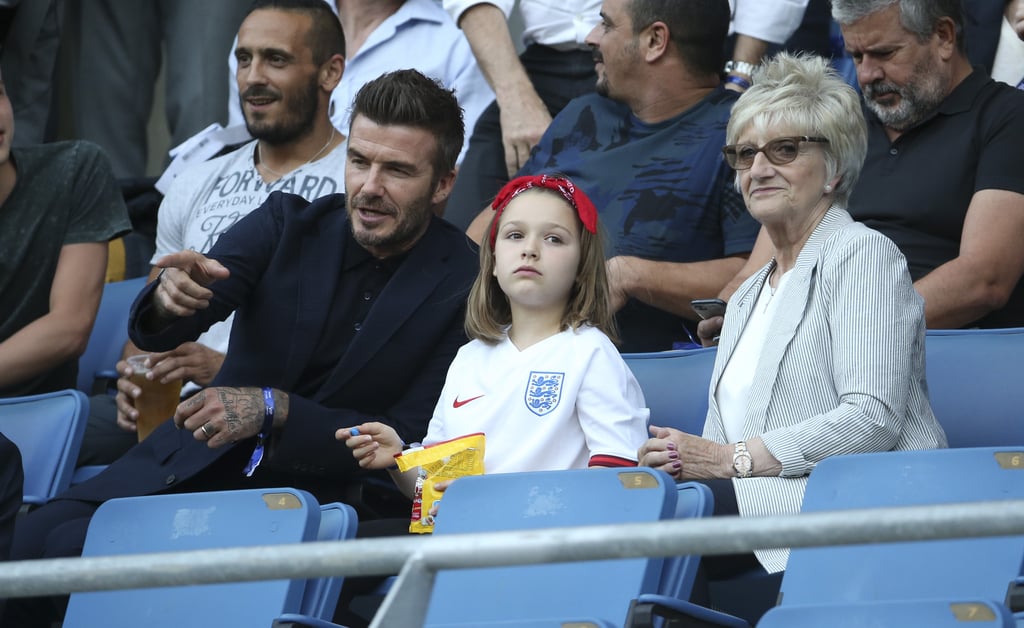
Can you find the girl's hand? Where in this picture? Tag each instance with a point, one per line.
(440, 487)
(661, 452)
(373, 444)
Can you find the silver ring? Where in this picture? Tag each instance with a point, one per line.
(206, 431)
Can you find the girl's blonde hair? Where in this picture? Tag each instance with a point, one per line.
(488, 313)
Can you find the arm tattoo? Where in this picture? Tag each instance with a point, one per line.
(243, 411)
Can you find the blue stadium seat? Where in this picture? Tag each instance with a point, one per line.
(677, 577)
(975, 386)
(528, 501)
(109, 333)
(694, 500)
(48, 430)
(675, 385)
(962, 568)
(968, 568)
(940, 613)
(193, 521)
(319, 599)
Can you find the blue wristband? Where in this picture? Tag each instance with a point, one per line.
(738, 80)
(264, 435)
(268, 412)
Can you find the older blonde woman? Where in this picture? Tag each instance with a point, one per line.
(822, 352)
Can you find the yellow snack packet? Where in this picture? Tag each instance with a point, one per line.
(446, 460)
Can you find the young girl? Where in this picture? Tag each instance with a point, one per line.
(541, 378)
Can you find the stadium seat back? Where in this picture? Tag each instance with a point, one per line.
(974, 384)
(194, 521)
(550, 499)
(675, 385)
(48, 431)
(109, 333)
(940, 613)
(969, 568)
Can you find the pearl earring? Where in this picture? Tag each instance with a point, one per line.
(828, 188)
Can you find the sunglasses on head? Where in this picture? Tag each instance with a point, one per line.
(779, 151)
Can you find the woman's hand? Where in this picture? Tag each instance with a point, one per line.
(661, 452)
(685, 456)
(374, 445)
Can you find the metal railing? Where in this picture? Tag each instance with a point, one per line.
(420, 558)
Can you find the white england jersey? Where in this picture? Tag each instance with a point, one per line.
(567, 402)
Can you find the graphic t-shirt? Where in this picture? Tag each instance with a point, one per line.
(209, 198)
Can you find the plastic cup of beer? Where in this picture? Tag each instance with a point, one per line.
(157, 402)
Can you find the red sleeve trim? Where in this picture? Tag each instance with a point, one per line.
(604, 460)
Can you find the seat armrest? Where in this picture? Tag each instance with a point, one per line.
(296, 620)
(1015, 595)
(683, 614)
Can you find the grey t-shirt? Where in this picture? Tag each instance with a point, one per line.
(65, 193)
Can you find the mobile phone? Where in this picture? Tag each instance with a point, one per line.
(707, 308)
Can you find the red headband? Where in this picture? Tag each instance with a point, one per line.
(575, 197)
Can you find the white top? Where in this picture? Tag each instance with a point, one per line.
(841, 370)
(560, 25)
(206, 199)
(1008, 66)
(737, 378)
(769, 20)
(562, 403)
(421, 36)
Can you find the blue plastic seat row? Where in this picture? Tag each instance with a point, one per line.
(193, 521)
(973, 381)
(959, 570)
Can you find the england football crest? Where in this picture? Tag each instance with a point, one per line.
(543, 392)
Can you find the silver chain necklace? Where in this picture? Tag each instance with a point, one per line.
(263, 164)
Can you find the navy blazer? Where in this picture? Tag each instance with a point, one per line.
(983, 20)
(285, 259)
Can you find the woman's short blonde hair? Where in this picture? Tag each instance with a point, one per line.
(804, 95)
(488, 313)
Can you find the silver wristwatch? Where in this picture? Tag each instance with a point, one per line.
(740, 67)
(741, 461)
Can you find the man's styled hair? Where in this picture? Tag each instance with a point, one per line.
(919, 17)
(698, 28)
(325, 38)
(804, 95)
(407, 98)
(488, 313)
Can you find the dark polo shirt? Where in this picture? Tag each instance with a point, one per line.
(917, 189)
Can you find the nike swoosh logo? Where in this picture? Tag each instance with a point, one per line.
(459, 404)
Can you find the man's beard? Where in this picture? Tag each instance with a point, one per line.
(918, 98)
(412, 222)
(601, 87)
(299, 118)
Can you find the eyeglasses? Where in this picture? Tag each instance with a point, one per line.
(779, 151)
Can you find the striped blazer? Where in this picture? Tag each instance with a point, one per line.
(842, 369)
